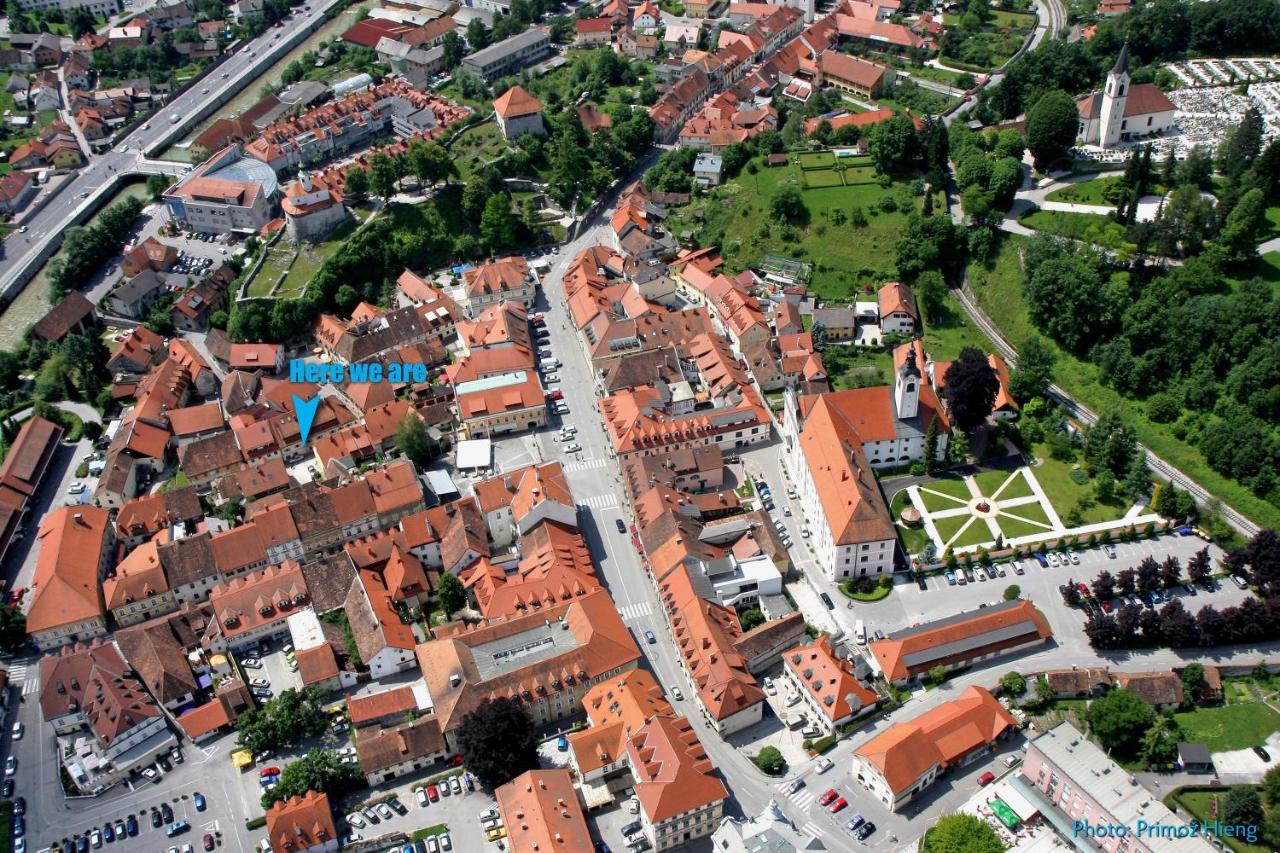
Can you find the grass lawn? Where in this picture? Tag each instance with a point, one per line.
(954, 486)
(950, 527)
(913, 538)
(1017, 20)
(1087, 192)
(976, 534)
(275, 265)
(310, 259)
(821, 178)
(1015, 487)
(1273, 222)
(856, 367)
(990, 481)
(1266, 268)
(816, 159)
(1199, 804)
(1092, 228)
(845, 256)
(1065, 493)
(999, 290)
(938, 75)
(950, 333)
(1231, 726)
(476, 148)
(1024, 524)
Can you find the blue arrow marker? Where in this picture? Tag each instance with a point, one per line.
(305, 412)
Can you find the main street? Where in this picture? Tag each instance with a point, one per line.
(73, 198)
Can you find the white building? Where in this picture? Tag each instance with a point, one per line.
(771, 830)
(518, 113)
(1123, 111)
(228, 192)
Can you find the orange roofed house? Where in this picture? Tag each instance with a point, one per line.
(518, 113)
(564, 651)
(616, 709)
(825, 681)
(834, 442)
(542, 814)
(902, 761)
(67, 604)
(302, 825)
(498, 280)
(960, 640)
(680, 797)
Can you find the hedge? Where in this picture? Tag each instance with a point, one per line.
(821, 745)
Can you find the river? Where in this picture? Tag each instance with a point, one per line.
(253, 92)
(33, 302)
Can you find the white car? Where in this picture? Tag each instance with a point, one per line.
(553, 378)
(792, 698)
(633, 805)
(251, 663)
(11, 766)
(675, 691)
(17, 730)
(824, 764)
(421, 795)
(446, 843)
(259, 682)
(572, 448)
(354, 819)
(75, 488)
(769, 688)
(384, 811)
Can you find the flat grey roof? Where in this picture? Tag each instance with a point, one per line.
(545, 641)
(528, 38)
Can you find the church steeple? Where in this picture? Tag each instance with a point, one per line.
(1111, 118)
(907, 387)
(1122, 61)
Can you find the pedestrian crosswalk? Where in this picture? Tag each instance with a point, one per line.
(801, 798)
(639, 610)
(20, 675)
(607, 501)
(586, 464)
(812, 829)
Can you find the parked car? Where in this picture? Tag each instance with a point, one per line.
(828, 797)
(675, 691)
(622, 527)
(1109, 550)
(199, 802)
(855, 822)
(355, 819)
(1017, 568)
(951, 578)
(650, 637)
(384, 811)
(839, 804)
(865, 831)
(1240, 582)
(1262, 753)
(986, 778)
(826, 599)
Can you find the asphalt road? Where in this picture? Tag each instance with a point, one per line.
(241, 69)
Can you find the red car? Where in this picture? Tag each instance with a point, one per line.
(456, 761)
(269, 771)
(555, 395)
(986, 778)
(838, 805)
(208, 841)
(15, 596)
(433, 793)
(1084, 590)
(826, 798)
(1106, 606)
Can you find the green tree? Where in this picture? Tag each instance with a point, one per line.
(156, 184)
(497, 742)
(383, 175)
(931, 446)
(13, 628)
(938, 674)
(1034, 373)
(751, 618)
(1192, 680)
(414, 441)
(477, 34)
(1160, 743)
(931, 294)
(1240, 233)
(283, 721)
(1052, 123)
(497, 224)
(1012, 591)
(958, 447)
(1013, 684)
(452, 596)
(770, 761)
(1044, 690)
(961, 833)
(787, 205)
(1243, 807)
(892, 144)
(356, 185)
(454, 48)
(429, 162)
(1119, 719)
(319, 770)
(1271, 786)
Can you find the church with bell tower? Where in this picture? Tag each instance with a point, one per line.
(1123, 111)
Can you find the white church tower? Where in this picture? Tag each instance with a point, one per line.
(1111, 120)
(906, 391)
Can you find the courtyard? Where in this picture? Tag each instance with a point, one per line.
(993, 509)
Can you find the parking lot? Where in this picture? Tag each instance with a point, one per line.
(458, 814)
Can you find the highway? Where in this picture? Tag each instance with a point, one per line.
(75, 199)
